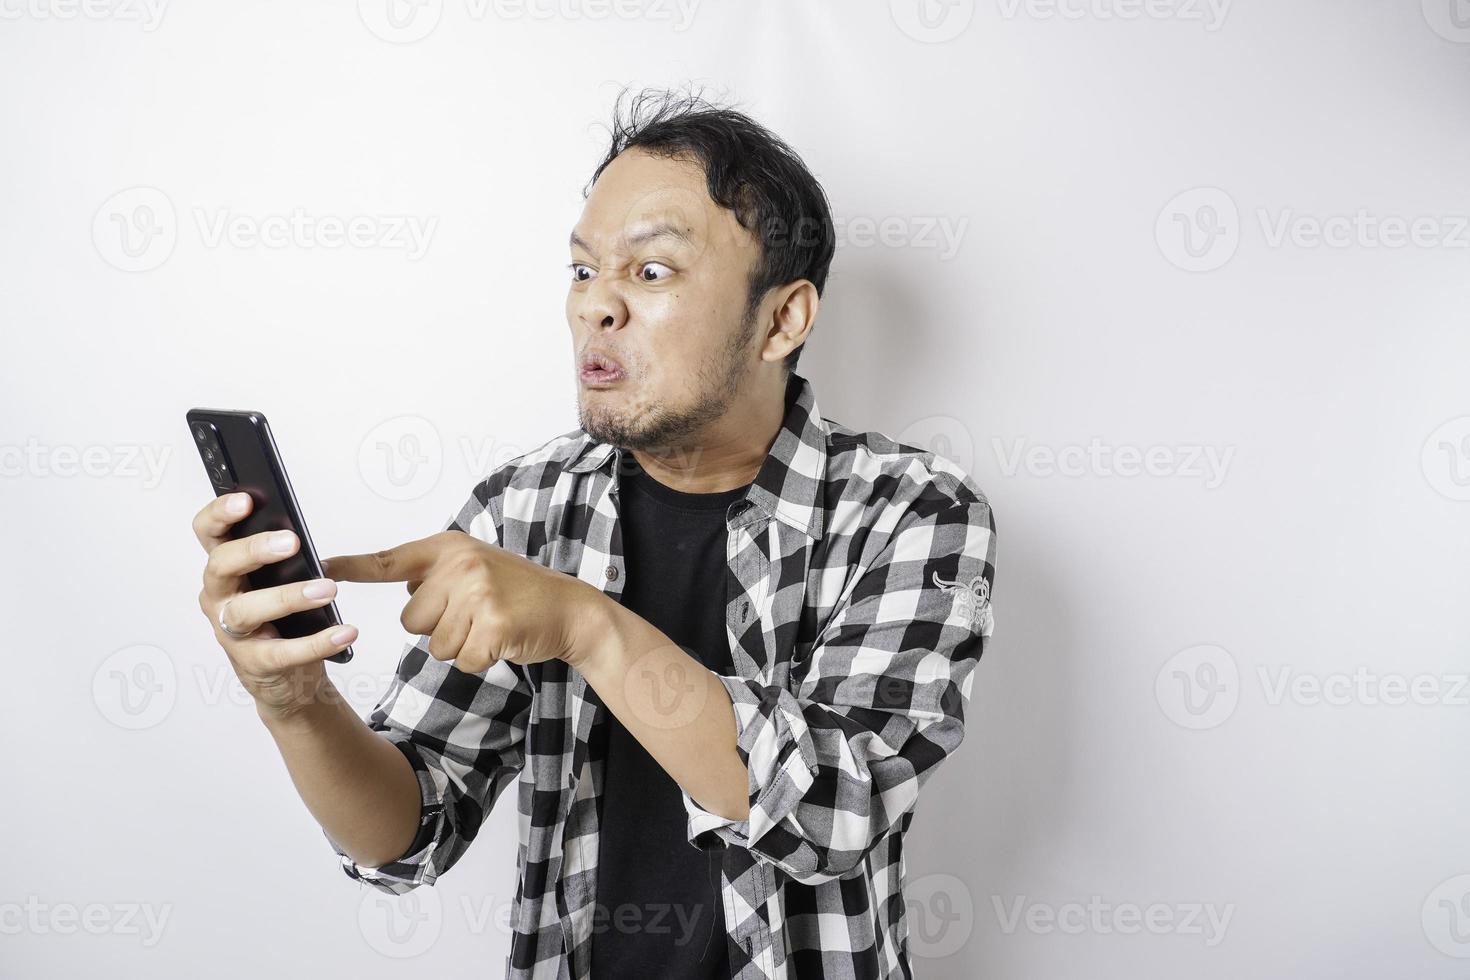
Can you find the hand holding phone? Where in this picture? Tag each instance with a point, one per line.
(280, 620)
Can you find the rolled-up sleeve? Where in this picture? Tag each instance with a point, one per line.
(463, 758)
(836, 760)
(464, 735)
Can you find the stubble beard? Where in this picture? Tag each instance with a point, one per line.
(665, 428)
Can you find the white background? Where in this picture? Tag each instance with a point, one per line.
(1201, 693)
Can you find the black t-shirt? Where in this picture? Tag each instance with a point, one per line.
(658, 910)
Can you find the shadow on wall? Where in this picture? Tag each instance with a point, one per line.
(988, 819)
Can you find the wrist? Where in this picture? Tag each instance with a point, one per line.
(589, 624)
(299, 717)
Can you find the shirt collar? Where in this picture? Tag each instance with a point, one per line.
(789, 483)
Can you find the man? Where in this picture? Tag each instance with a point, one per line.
(719, 640)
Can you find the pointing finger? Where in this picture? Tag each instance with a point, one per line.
(405, 563)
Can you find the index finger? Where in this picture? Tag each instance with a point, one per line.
(405, 563)
(213, 522)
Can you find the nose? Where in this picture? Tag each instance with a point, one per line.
(602, 307)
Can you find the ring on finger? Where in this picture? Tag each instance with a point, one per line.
(226, 626)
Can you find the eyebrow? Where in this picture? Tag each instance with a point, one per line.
(662, 230)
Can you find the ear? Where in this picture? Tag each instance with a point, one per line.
(793, 312)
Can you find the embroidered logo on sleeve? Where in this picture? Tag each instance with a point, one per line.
(971, 601)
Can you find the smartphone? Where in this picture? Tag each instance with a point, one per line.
(239, 453)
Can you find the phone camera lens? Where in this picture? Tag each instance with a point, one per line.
(209, 455)
(201, 432)
(217, 473)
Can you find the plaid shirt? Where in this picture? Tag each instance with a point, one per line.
(857, 606)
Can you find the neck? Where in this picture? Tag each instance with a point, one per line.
(729, 452)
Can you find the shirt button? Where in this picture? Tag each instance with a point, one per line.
(612, 573)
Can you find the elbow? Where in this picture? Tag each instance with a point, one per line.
(730, 800)
(728, 807)
(737, 809)
(375, 859)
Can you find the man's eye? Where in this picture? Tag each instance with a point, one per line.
(649, 272)
(577, 272)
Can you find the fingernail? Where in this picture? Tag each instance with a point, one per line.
(319, 588)
(343, 636)
(236, 503)
(281, 542)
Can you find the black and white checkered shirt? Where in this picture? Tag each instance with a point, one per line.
(858, 606)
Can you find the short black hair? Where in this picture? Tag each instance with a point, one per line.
(748, 170)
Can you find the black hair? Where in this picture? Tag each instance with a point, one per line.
(748, 170)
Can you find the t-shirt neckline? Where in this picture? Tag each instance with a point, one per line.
(639, 479)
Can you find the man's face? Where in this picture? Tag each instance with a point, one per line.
(659, 281)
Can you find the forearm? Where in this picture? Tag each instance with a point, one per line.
(356, 784)
(675, 707)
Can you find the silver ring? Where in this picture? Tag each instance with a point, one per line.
(224, 626)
